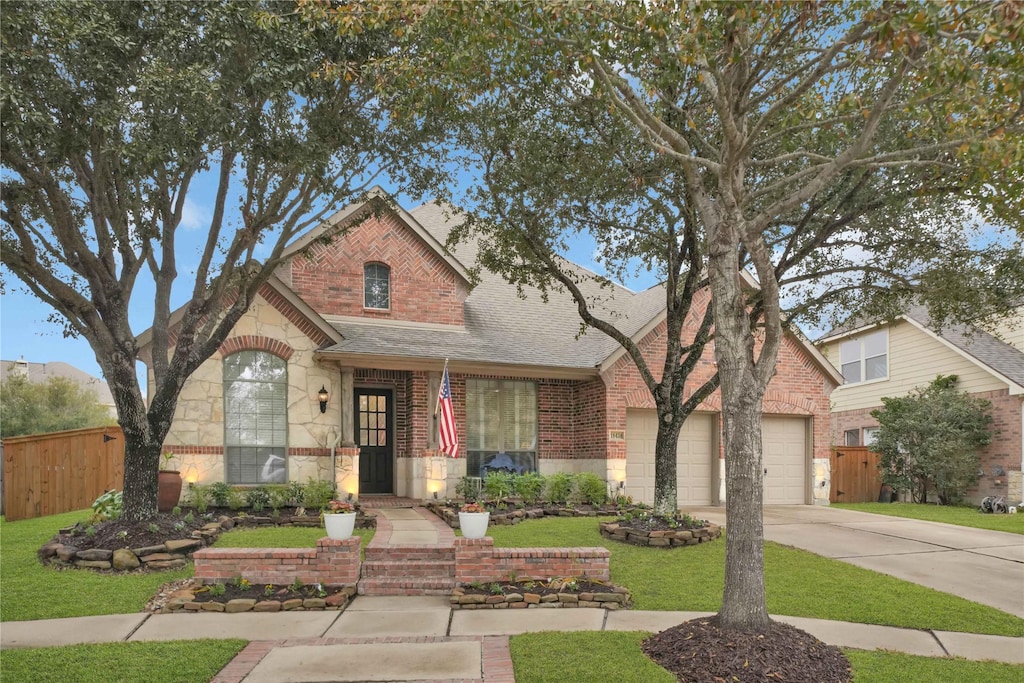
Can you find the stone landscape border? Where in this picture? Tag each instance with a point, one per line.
(659, 539)
(618, 599)
(183, 601)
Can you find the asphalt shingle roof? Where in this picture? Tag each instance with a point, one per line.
(501, 327)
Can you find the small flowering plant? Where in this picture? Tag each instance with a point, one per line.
(472, 507)
(339, 506)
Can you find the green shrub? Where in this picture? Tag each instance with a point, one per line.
(529, 487)
(220, 492)
(236, 499)
(590, 488)
(295, 493)
(199, 497)
(559, 487)
(498, 485)
(258, 498)
(468, 489)
(317, 493)
(280, 497)
(108, 505)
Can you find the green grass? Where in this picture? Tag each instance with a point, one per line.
(280, 537)
(32, 591)
(589, 657)
(798, 583)
(181, 661)
(948, 514)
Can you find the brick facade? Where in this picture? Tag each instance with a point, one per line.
(476, 559)
(424, 288)
(333, 563)
(997, 460)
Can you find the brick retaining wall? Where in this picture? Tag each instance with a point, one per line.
(333, 562)
(476, 559)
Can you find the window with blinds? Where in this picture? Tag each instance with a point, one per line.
(501, 426)
(255, 418)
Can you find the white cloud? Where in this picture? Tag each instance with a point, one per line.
(194, 216)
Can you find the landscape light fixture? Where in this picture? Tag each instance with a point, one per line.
(323, 396)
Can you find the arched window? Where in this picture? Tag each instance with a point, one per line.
(255, 418)
(376, 286)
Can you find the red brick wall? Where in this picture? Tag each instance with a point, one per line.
(590, 418)
(476, 559)
(798, 387)
(333, 562)
(424, 288)
(1004, 452)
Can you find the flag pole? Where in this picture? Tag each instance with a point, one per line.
(440, 388)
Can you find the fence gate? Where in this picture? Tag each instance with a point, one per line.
(46, 474)
(855, 475)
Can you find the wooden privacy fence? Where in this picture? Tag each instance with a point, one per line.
(855, 475)
(45, 474)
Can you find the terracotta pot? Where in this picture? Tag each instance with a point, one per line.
(168, 490)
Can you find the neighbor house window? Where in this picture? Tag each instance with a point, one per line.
(871, 435)
(255, 418)
(851, 437)
(376, 286)
(501, 426)
(865, 358)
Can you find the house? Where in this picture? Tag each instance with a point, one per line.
(891, 358)
(371, 318)
(39, 373)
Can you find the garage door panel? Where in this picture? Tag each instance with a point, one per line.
(693, 457)
(785, 460)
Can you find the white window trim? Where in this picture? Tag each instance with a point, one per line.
(863, 360)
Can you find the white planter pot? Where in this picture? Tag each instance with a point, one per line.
(339, 525)
(474, 524)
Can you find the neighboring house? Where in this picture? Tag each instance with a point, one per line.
(890, 359)
(371, 318)
(38, 373)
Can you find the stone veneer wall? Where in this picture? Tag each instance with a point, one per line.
(476, 559)
(333, 562)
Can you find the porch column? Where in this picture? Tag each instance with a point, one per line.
(433, 386)
(348, 437)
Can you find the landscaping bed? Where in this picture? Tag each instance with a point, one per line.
(504, 514)
(165, 542)
(655, 531)
(574, 592)
(243, 596)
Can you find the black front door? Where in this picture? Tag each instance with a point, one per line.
(374, 415)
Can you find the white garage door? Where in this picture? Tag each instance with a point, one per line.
(693, 457)
(783, 441)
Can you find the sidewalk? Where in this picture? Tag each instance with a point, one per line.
(422, 639)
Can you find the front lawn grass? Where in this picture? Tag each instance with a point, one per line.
(798, 583)
(280, 537)
(588, 656)
(947, 514)
(32, 591)
(180, 661)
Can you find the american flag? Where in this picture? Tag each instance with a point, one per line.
(448, 438)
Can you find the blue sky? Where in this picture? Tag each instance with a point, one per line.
(25, 330)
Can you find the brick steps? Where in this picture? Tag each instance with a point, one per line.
(437, 585)
(407, 570)
(380, 569)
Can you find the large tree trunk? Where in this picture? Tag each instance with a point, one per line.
(743, 601)
(665, 493)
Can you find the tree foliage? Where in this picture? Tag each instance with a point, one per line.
(929, 440)
(834, 150)
(57, 404)
(114, 112)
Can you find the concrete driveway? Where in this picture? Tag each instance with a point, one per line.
(976, 564)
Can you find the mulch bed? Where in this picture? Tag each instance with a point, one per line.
(115, 534)
(552, 587)
(233, 590)
(700, 651)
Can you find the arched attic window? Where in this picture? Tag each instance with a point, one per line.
(376, 286)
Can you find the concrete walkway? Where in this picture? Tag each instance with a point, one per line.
(410, 526)
(977, 564)
(422, 639)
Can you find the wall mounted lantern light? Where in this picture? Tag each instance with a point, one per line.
(323, 396)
